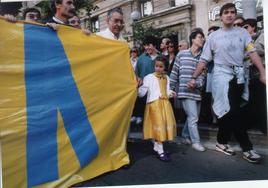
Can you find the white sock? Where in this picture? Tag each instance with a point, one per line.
(155, 146)
(160, 148)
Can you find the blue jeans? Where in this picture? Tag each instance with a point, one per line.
(192, 110)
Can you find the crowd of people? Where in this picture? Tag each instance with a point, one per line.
(229, 64)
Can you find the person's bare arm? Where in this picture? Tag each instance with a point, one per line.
(256, 60)
(199, 69)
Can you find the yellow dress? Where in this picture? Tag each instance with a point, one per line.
(159, 121)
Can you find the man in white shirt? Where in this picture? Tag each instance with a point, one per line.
(115, 24)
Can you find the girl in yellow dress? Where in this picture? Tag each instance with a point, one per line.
(159, 122)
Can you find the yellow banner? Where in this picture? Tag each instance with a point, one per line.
(65, 105)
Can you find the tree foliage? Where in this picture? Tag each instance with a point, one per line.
(79, 5)
(141, 31)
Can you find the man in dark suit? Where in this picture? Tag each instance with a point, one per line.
(63, 10)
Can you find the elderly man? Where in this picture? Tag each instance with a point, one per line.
(227, 47)
(183, 45)
(115, 24)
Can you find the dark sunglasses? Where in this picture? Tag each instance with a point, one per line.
(246, 27)
(238, 25)
(133, 51)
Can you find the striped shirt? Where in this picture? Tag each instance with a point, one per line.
(182, 71)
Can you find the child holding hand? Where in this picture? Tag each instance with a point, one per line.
(159, 122)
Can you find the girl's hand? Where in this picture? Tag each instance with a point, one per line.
(173, 94)
(140, 82)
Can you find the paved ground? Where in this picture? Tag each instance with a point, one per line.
(187, 166)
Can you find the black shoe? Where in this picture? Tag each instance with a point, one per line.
(163, 157)
(126, 167)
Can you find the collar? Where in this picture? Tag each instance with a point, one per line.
(161, 76)
(58, 20)
(165, 52)
(114, 37)
(197, 55)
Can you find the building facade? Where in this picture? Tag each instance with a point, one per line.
(176, 16)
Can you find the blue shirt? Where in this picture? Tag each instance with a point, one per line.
(145, 65)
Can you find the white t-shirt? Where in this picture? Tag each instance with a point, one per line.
(227, 47)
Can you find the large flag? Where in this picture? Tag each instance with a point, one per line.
(65, 105)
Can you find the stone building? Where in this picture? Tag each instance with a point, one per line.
(176, 16)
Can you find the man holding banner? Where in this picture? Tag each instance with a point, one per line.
(54, 95)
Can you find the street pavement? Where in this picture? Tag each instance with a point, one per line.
(186, 166)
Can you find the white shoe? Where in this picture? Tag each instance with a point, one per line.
(198, 147)
(186, 141)
(133, 118)
(138, 120)
(224, 148)
(251, 156)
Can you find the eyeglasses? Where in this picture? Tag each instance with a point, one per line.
(246, 27)
(238, 24)
(117, 21)
(133, 51)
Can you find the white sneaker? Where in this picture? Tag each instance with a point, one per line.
(133, 118)
(198, 147)
(251, 156)
(224, 148)
(186, 141)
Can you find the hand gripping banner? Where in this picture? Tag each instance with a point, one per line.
(65, 103)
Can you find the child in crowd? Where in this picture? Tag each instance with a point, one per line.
(159, 122)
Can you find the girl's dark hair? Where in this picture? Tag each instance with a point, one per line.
(194, 34)
(162, 59)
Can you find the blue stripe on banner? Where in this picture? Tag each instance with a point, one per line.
(50, 87)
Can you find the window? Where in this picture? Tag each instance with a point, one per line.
(177, 3)
(146, 8)
(95, 25)
(172, 3)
